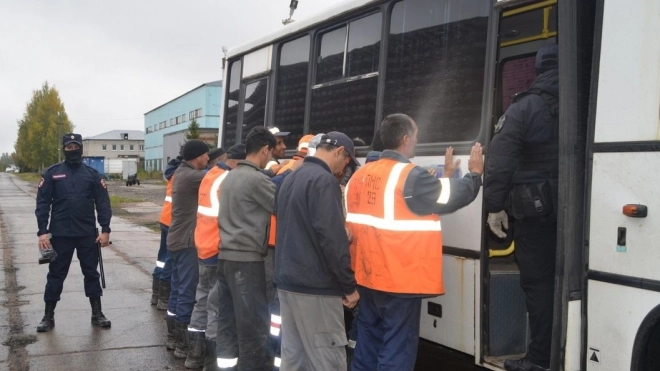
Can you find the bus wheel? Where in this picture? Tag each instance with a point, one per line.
(646, 350)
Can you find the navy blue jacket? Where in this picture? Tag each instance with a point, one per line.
(525, 139)
(72, 192)
(312, 254)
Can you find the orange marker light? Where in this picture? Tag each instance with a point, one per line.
(635, 211)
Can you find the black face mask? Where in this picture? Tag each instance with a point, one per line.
(73, 157)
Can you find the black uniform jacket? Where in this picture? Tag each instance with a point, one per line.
(67, 194)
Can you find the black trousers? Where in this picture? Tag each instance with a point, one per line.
(243, 318)
(88, 256)
(536, 246)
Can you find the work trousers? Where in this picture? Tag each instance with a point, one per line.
(314, 336)
(273, 308)
(88, 255)
(205, 310)
(185, 275)
(387, 331)
(163, 270)
(536, 245)
(243, 322)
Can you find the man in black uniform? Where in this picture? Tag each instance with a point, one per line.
(521, 177)
(72, 190)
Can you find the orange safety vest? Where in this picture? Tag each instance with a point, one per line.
(272, 232)
(207, 231)
(166, 211)
(393, 249)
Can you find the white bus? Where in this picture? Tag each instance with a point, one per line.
(453, 66)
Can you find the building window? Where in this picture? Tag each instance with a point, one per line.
(155, 127)
(131, 147)
(436, 49)
(178, 120)
(171, 122)
(198, 112)
(104, 147)
(183, 118)
(114, 147)
(291, 89)
(121, 147)
(141, 147)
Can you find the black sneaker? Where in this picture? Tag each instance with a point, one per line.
(522, 364)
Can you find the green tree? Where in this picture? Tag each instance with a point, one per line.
(40, 130)
(193, 130)
(5, 161)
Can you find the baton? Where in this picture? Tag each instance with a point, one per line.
(98, 244)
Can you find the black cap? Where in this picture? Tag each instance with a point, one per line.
(71, 138)
(193, 149)
(215, 153)
(236, 152)
(339, 139)
(547, 58)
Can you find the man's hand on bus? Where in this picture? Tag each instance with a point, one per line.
(350, 301)
(496, 221)
(476, 162)
(450, 164)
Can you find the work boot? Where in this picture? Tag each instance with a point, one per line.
(154, 291)
(196, 349)
(171, 342)
(48, 322)
(98, 319)
(163, 295)
(522, 364)
(210, 361)
(181, 339)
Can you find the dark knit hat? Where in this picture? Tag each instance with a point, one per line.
(236, 152)
(215, 153)
(193, 149)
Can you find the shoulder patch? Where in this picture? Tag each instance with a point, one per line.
(500, 124)
(41, 182)
(59, 176)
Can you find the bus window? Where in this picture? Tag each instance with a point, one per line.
(517, 76)
(331, 56)
(363, 45)
(231, 115)
(435, 66)
(528, 26)
(254, 106)
(291, 89)
(338, 103)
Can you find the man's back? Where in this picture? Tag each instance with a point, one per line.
(246, 203)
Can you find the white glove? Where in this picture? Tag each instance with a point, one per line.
(496, 221)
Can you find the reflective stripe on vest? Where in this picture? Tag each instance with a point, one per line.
(207, 231)
(227, 362)
(393, 249)
(166, 211)
(275, 324)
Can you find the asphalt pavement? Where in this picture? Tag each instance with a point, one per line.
(137, 337)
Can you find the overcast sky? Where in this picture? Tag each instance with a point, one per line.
(112, 61)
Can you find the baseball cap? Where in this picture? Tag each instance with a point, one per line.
(338, 139)
(71, 138)
(236, 152)
(276, 132)
(311, 147)
(303, 143)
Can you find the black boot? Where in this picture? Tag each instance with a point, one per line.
(98, 319)
(171, 342)
(163, 295)
(196, 349)
(181, 338)
(154, 291)
(48, 322)
(210, 360)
